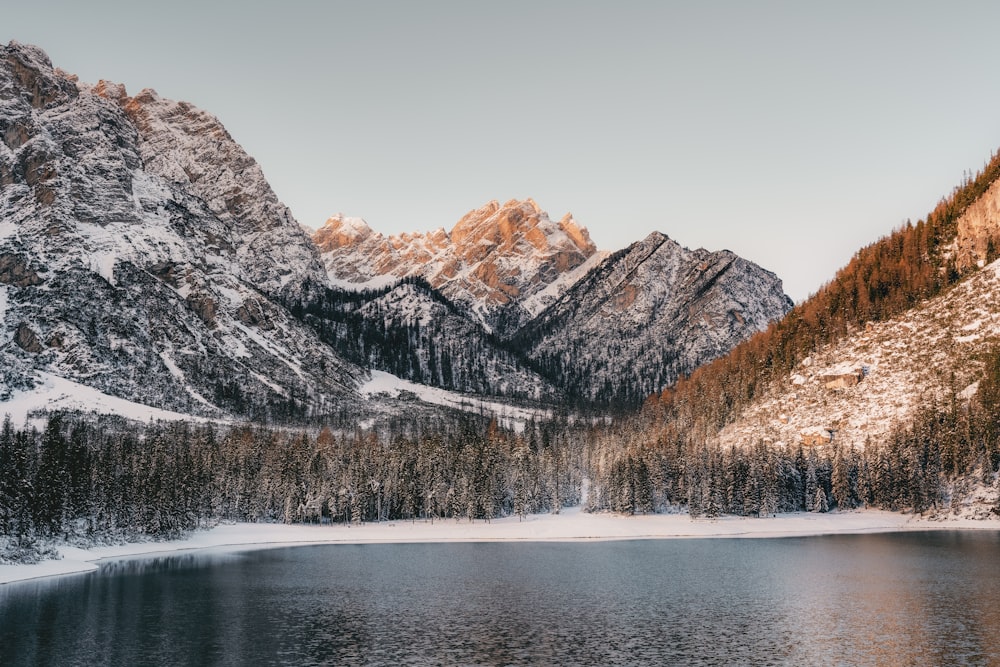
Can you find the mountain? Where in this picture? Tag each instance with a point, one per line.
(411, 330)
(493, 260)
(141, 252)
(603, 329)
(649, 314)
(144, 255)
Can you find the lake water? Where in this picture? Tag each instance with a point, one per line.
(890, 599)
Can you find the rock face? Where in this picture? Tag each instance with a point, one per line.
(493, 260)
(191, 150)
(136, 238)
(647, 315)
(978, 234)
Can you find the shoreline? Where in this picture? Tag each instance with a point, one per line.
(571, 525)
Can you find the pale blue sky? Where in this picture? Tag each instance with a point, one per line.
(789, 132)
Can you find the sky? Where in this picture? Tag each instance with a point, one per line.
(792, 133)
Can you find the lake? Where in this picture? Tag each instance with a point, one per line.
(888, 599)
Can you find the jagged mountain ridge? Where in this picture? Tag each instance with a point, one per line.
(494, 259)
(603, 329)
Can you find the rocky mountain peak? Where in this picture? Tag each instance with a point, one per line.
(494, 258)
(191, 149)
(341, 231)
(503, 227)
(36, 81)
(649, 314)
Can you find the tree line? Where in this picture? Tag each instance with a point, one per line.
(82, 482)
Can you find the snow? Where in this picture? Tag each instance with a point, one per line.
(103, 264)
(970, 391)
(56, 393)
(6, 229)
(3, 304)
(376, 283)
(538, 301)
(570, 526)
(263, 380)
(178, 374)
(382, 383)
(272, 347)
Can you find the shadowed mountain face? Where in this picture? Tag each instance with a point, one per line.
(143, 253)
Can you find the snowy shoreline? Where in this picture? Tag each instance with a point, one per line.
(570, 526)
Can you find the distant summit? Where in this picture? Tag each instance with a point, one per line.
(494, 258)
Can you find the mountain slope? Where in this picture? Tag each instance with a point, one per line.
(412, 331)
(191, 149)
(113, 275)
(901, 325)
(871, 382)
(649, 314)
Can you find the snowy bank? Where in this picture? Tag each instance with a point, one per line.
(571, 525)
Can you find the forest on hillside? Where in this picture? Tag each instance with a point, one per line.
(881, 281)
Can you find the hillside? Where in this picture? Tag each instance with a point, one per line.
(866, 384)
(884, 280)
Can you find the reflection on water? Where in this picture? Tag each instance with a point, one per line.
(905, 599)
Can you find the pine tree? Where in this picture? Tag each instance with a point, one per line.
(820, 504)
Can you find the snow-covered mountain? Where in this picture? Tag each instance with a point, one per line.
(494, 259)
(144, 255)
(649, 314)
(602, 328)
(139, 251)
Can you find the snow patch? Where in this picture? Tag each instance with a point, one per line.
(539, 301)
(970, 391)
(178, 374)
(387, 384)
(378, 282)
(272, 348)
(56, 393)
(103, 264)
(263, 380)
